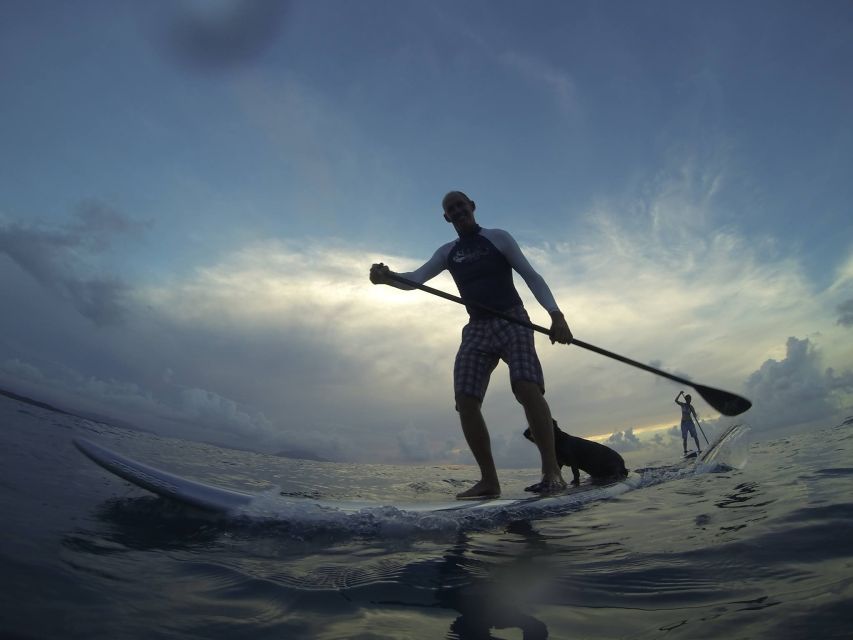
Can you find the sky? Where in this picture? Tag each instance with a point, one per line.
(192, 193)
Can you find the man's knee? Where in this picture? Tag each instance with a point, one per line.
(467, 405)
(526, 391)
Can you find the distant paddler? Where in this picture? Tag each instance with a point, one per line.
(688, 413)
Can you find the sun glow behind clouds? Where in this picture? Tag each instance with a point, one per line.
(276, 284)
(319, 295)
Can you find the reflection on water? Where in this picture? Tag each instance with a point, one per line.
(486, 580)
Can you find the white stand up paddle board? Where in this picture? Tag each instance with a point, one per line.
(222, 500)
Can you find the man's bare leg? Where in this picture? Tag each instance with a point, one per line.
(541, 428)
(477, 437)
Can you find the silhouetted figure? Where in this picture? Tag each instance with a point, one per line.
(688, 413)
(481, 262)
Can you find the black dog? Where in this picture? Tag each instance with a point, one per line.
(600, 462)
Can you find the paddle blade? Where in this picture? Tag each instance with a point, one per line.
(729, 404)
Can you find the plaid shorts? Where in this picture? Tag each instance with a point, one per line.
(486, 341)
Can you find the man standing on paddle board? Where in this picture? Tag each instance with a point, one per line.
(687, 425)
(481, 262)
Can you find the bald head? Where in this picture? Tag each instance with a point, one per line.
(452, 196)
(459, 210)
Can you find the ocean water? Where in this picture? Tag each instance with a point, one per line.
(758, 544)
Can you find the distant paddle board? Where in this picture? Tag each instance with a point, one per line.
(221, 500)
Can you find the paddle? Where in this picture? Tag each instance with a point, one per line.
(698, 424)
(729, 404)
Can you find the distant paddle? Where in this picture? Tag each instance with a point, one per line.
(698, 424)
(729, 404)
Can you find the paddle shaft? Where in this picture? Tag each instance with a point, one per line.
(698, 424)
(535, 327)
(725, 402)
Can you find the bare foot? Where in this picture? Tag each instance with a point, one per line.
(482, 489)
(546, 486)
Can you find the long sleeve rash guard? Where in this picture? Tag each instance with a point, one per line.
(481, 264)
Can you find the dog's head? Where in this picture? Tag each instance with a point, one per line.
(529, 436)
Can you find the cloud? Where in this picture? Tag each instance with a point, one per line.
(320, 294)
(558, 82)
(102, 300)
(206, 407)
(283, 345)
(624, 441)
(95, 223)
(221, 35)
(415, 444)
(667, 437)
(845, 313)
(22, 371)
(61, 259)
(76, 391)
(796, 389)
(204, 414)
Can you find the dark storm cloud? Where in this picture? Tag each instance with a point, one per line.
(56, 258)
(845, 313)
(224, 35)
